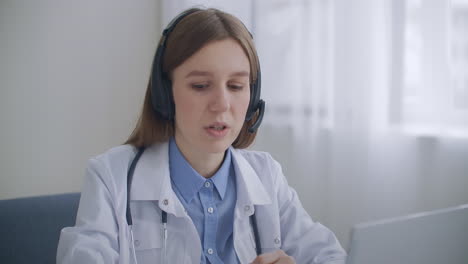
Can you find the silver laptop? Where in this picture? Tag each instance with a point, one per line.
(433, 237)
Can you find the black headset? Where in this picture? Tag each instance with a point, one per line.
(161, 87)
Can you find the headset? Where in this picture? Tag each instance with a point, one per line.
(161, 88)
(163, 104)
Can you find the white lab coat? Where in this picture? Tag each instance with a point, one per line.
(101, 233)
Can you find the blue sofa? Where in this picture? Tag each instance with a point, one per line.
(30, 227)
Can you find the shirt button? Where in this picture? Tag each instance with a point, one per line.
(247, 208)
(166, 202)
(137, 243)
(277, 240)
(210, 251)
(210, 210)
(207, 184)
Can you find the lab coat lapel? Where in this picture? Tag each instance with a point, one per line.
(249, 187)
(151, 180)
(250, 192)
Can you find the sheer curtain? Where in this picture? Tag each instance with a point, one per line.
(433, 45)
(333, 78)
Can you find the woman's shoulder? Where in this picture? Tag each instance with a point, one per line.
(259, 160)
(111, 166)
(253, 154)
(117, 153)
(118, 157)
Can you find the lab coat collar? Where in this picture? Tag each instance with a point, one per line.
(249, 187)
(151, 181)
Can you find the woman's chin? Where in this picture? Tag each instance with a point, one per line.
(218, 147)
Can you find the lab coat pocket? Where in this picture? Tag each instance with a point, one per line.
(269, 242)
(148, 241)
(268, 228)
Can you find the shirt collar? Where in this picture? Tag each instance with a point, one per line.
(188, 181)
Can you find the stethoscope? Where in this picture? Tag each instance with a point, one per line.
(253, 220)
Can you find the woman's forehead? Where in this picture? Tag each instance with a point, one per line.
(223, 56)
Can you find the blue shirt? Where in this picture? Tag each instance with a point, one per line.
(209, 202)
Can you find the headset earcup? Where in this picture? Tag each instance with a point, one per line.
(161, 88)
(161, 95)
(168, 106)
(255, 90)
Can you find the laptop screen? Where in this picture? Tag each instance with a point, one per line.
(433, 237)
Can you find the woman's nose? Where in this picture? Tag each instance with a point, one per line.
(220, 100)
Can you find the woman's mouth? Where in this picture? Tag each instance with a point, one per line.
(217, 130)
(217, 127)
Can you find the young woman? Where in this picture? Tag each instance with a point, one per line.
(183, 189)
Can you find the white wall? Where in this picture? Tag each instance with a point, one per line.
(72, 80)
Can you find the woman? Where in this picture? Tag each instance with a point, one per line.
(182, 189)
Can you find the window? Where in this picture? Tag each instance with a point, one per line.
(432, 39)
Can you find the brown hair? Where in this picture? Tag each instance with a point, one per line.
(189, 35)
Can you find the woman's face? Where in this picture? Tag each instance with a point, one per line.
(211, 95)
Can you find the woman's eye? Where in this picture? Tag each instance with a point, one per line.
(236, 87)
(199, 86)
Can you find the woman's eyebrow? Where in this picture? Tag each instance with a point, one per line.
(198, 73)
(206, 73)
(240, 74)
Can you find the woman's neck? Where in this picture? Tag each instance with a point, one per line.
(206, 164)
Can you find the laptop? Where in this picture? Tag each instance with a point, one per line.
(434, 237)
